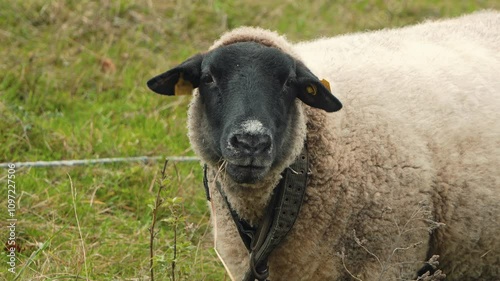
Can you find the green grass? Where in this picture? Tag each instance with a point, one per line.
(72, 86)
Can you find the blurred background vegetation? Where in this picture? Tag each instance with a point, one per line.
(72, 86)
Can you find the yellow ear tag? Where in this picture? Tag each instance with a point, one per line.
(326, 84)
(311, 89)
(183, 87)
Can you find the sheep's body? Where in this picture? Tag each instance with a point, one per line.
(417, 142)
(421, 115)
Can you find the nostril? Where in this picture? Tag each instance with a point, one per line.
(263, 143)
(238, 141)
(251, 143)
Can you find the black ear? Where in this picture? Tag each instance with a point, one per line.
(179, 80)
(314, 92)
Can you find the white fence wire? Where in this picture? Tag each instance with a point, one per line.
(100, 161)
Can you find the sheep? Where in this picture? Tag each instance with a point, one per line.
(407, 169)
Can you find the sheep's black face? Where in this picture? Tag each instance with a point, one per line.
(247, 94)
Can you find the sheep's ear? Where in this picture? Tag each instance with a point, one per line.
(180, 80)
(314, 92)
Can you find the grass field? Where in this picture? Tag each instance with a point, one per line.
(72, 86)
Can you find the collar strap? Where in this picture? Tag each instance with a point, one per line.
(279, 217)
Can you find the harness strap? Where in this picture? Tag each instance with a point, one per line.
(245, 229)
(286, 204)
(205, 182)
(279, 217)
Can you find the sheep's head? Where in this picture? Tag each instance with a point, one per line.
(245, 110)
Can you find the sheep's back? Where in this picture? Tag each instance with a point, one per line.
(438, 82)
(432, 75)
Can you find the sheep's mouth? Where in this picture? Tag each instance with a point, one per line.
(246, 173)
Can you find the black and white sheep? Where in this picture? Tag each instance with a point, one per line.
(416, 145)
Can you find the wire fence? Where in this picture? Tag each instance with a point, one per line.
(82, 162)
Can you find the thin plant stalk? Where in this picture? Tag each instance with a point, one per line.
(152, 232)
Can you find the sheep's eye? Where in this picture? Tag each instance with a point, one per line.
(288, 83)
(207, 79)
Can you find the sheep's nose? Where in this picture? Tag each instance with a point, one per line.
(251, 143)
